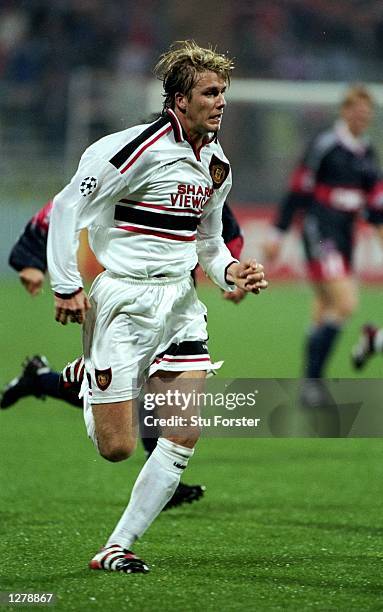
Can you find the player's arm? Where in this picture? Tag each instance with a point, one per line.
(373, 186)
(231, 232)
(213, 255)
(216, 259)
(28, 255)
(296, 200)
(233, 238)
(373, 189)
(77, 206)
(374, 216)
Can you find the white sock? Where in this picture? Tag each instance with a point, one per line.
(153, 488)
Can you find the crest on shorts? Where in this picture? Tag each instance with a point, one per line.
(219, 171)
(103, 378)
(88, 185)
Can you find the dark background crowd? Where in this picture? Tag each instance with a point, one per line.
(42, 43)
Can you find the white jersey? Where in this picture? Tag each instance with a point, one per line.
(151, 204)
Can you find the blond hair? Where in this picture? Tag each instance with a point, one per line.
(178, 68)
(354, 94)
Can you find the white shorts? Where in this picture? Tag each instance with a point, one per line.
(136, 328)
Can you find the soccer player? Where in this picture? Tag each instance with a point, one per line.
(28, 258)
(151, 198)
(338, 178)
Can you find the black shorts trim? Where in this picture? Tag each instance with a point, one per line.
(189, 347)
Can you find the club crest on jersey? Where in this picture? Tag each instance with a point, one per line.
(219, 171)
(103, 378)
(88, 186)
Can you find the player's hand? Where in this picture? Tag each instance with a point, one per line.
(247, 275)
(72, 310)
(235, 296)
(32, 279)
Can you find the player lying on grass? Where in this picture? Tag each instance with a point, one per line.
(28, 258)
(151, 197)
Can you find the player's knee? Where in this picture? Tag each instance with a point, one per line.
(347, 307)
(116, 450)
(115, 453)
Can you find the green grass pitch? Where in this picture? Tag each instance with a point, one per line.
(285, 524)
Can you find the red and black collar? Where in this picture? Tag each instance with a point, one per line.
(179, 133)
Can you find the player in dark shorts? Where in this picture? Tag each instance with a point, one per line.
(338, 179)
(28, 258)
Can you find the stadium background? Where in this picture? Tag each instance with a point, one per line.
(286, 524)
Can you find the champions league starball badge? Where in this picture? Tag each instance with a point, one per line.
(88, 185)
